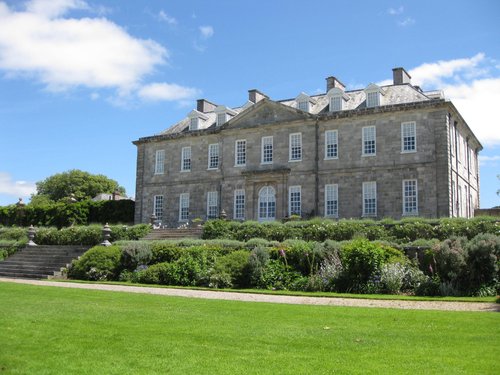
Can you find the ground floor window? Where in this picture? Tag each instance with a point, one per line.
(158, 207)
(294, 201)
(331, 200)
(212, 205)
(370, 198)
(239, 204)
(410, 197)
(184, 207)
(267, 204)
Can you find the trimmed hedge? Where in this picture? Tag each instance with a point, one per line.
(62, 214)
(403, 231)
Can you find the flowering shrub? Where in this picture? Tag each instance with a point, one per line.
(98, 263)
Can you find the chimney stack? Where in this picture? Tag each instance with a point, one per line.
(204, 106)
(400, 76)
(332, 82)
(256, 96)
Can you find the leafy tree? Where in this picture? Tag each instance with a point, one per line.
(75, 183)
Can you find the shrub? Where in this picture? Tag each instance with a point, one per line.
(450, 261)
(257, 262)
(430, 287)
(260, 242)
(134, 254)
(483, 261)
(98, 263)
(151, 275)
(392, 277)
(278, 276)
(231, 270)
(330, 270)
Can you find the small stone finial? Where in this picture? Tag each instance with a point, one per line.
(20, 203)
(223, 214)
(106, 234)
(31, 236)
(152, 219)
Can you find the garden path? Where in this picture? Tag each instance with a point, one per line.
(250, 297)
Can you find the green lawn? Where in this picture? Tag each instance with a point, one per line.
(48, 330)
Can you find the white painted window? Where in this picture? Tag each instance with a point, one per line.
(194, 123)
(212, 205)
(372, 99)
(303, 105)
(266, 150)
(160, 162)
(186, 159)
(331, 144)
(221, 118)
(408, 137)
(240, 152)
(294, 201)
(331, 200)
(267, 204)
(295, 150)
(213, 156)
(410, 198)
(369, 141)
(239, 204)
(184, 207)
(336, 103)
(158, 207)
(370, 198)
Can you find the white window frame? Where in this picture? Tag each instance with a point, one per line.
(303, 105)
(332, 200)
(294, 200)
(295, 147)
(408, 131)
(194, 123)
(369, 194)
(186, 159)
(372, 99)
(410, 197)
(369, 134)
(331, 139)
(221, 118)
(336, 103)
(240, 155)
(184, 207)
(160, 162)
(266, 153)
(212, 205)
(158, 205)
(239, 204)
(266, 206)
(213, 156)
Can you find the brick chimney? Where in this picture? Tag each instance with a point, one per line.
(332, 82)
(204, 106)
(256, 96)
(400, 76)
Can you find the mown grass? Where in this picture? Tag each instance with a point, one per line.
(47, 330)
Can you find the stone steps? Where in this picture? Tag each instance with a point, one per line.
(173, 234)
(39, 262)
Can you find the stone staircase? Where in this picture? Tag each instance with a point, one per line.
(173, 234)
(40, 262)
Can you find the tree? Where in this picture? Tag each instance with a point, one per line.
(75, 183)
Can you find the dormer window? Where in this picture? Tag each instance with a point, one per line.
(223, 114)
(373, 96)
(337, 97)
(193, 123)
(304, 102)
(196, 120)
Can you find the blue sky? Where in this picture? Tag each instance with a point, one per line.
(81, 79)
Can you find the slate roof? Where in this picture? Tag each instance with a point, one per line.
(392, 94)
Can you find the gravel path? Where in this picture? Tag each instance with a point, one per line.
(249, 297)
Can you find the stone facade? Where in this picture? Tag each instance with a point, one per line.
(410, 154)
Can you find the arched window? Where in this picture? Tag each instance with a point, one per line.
(267, 204)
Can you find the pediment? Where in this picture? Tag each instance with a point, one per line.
(266, 112)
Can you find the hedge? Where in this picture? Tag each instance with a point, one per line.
(62, 214)
(403, 231)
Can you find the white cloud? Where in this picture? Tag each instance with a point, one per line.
(408, 21)
(395, 11)
(434, 74)
(163, 16)
(489, 160)
(166, 92)
(15, 188)
(206, 32)
(64, 53)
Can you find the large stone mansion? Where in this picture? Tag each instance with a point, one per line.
(383, 151)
